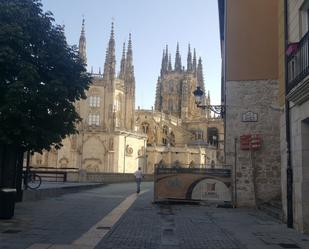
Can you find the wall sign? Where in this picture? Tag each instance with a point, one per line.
(250, 142)
(249, 117)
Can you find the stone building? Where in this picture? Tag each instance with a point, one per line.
(249, 44)
(107, 141)
(114, 137)
(178, 132)
(294, 100)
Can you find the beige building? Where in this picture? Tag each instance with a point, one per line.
(113, 137)
(249, 43)
(294, 99)
(107, 141)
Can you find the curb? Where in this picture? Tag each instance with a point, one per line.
(39, 194)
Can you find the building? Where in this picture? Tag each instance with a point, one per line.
(294, 99)
(178, 131)
(249, 44)
(113, 137)
(107, 140)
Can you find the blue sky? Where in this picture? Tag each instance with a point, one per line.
(153, 24)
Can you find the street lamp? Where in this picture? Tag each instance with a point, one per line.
(198, 94)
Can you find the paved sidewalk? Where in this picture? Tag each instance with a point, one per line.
(100, 219)
(149, 226)
(61, 220)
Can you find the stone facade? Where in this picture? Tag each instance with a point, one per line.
(107, 141)
(172, 141)
(113, 137)
(296, 99)
(257, 171)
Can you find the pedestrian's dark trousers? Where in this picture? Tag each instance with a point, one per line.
(138, 185)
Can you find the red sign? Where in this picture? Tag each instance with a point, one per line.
(255, 142)
(245, 142)
(250, 142)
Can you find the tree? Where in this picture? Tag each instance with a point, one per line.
(41, 77)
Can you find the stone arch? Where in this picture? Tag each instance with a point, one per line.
(225, 187)
(64, 162)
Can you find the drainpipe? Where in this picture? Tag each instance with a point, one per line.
(235, 172)
(289, 170)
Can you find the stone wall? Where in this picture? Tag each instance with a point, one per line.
(257, 172)
(83, 176)
(299, 126)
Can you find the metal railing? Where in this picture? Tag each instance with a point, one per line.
(52, 174)
(298, 62)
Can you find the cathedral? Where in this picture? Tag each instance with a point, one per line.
(114, 137)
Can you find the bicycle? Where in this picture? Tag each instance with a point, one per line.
(33, 180)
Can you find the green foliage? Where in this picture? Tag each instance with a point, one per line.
(41, 77)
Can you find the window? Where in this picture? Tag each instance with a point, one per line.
(94, 101)
(170, 105)
(94, 119)
(145, 127)
(165, 129)
(170, 86)
(213, 136)
(117, 104)
(304, 18)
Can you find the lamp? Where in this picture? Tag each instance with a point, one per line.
(198, 94)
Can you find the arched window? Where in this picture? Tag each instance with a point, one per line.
(170, 105)
(145, 127)
(170, 86)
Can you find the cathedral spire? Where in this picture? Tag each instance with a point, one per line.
(123, 63)
(170, 63)
(178, 66)
(110, 61)
(82, 44)
(164, 65)
(129, 68)
(194, 61)
(200, 77)
(189, 60)
(166, 58)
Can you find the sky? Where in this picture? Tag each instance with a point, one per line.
(153, 25)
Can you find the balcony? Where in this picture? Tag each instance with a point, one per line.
(298, 71)
(298, 62)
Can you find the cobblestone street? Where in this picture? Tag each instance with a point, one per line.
(63, 222)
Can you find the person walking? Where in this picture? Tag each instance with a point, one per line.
(138, 178)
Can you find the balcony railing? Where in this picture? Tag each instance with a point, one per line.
(298, 62)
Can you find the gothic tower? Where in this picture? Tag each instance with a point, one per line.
(175, 86)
